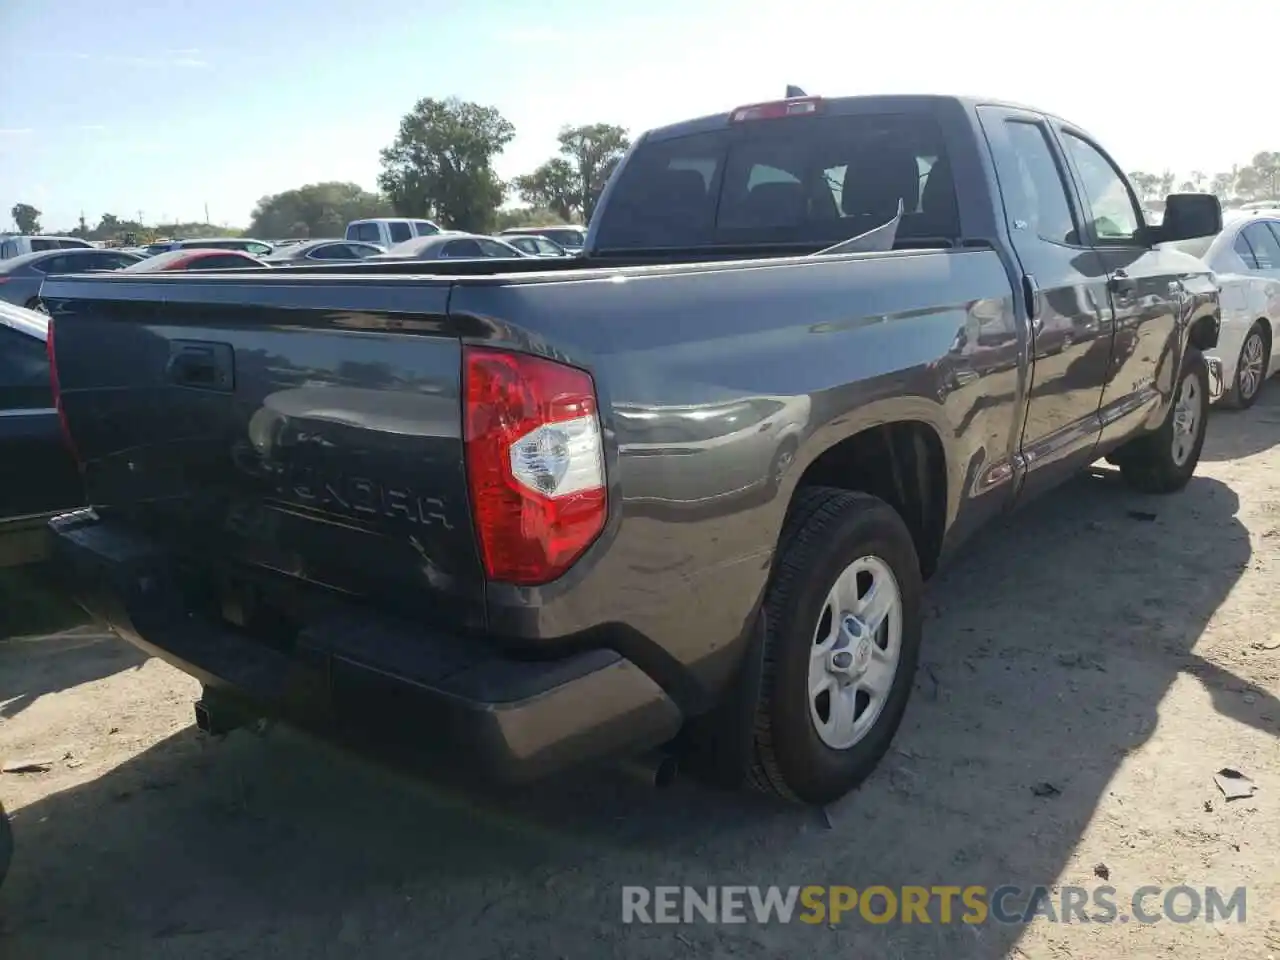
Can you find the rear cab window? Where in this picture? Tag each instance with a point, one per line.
(367, 232)
(791, 181)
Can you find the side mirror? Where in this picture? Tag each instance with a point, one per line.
(1187, 216)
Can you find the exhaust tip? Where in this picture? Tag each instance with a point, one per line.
(656, 770)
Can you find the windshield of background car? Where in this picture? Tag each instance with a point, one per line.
(801, 180)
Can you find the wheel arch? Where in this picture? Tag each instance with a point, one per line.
(901, 461)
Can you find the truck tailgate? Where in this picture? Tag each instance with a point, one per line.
(313, 447)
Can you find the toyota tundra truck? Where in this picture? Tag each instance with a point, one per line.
(677, 496)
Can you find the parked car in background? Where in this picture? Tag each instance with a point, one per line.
(535, 245)
(21, 277)
(256, 247)
(1261, 205)
(1245, 258)
(450, 246)
(571, 238)
(386, 232)
(196, 259)
(38, 475)
(11, 247)
(323, 251)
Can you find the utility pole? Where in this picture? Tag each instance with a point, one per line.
(206, 213)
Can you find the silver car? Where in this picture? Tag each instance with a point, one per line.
(22, 277)
(451, 246)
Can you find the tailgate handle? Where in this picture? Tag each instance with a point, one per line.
(205, 366)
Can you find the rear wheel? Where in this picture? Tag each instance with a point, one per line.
(1164, 460)
(843, 620)
(1251, 368)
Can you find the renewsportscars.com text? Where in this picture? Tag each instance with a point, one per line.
(935, 904)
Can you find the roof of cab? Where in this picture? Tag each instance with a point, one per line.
(844, 105)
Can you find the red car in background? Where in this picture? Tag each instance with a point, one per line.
(196, 258)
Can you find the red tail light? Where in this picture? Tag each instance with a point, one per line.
(792, 107)
(535, 463)
(57, 391)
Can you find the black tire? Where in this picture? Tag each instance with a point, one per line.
(1148, 463)
(1239, 396)
(826, 531)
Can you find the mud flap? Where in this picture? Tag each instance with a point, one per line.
(717, 747)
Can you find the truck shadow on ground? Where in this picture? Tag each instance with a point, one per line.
(1050, 645)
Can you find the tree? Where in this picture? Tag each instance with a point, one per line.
(315, 210)
(26, 217)
(1260, 180)
(1223, 185)
(571, 183)
(552, 186)
(528, 217)
(441, 163)
(595, 150)
(1146, 184)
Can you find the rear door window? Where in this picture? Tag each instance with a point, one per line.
(328, 251)
(60, 264)
(399, 231)
(41, 243)
(1266, 248)
(368, 232)
(1245, 252)
(810, 180)
(461, 249)
(491, 249)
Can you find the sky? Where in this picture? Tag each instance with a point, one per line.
(161, 107)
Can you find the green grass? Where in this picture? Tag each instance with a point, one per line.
(30, 604)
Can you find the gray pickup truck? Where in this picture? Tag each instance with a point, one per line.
(680, 494)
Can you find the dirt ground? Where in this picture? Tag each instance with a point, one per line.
(1120, 648)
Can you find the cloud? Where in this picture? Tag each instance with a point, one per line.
(15, 131)
(91, 127)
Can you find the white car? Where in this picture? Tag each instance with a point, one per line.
(1245, 256)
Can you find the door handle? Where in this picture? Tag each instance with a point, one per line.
(206, 366)
(1122, 283)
